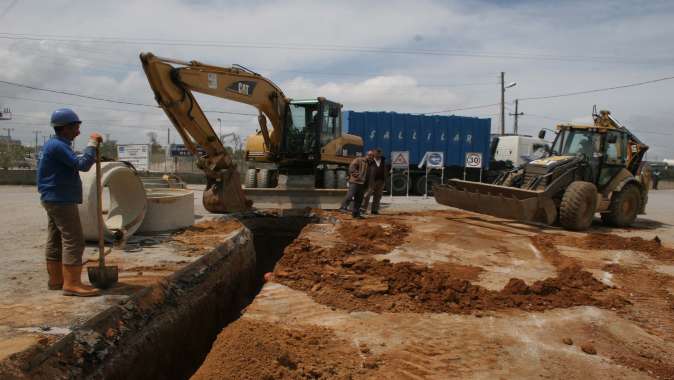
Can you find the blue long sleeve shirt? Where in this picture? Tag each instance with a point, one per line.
(58, 177)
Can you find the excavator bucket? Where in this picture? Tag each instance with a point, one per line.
(499, 201)
(225, 194)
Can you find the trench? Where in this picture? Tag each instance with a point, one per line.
(166, 331)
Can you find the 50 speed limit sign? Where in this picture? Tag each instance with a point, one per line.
(473, 160)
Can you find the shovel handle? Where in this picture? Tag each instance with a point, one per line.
(99, 208)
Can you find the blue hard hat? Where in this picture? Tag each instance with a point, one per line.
(64, 116)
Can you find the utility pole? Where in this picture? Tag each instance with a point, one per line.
(502, 103)
(36, 133)
(9, 139)
(516, 114)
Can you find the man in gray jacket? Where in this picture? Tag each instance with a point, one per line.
(357, 185)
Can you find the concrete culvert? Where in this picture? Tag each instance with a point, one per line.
(124, 201)
(168, 209)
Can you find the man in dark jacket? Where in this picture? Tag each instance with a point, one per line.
(60, 187)
(357, 185)
(376, 181)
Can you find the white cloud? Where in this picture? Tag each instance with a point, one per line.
(564, 46)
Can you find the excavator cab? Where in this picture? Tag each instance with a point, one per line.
(310, 125)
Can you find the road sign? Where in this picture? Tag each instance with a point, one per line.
(400, 159)
(473, 160)
(433, 160)
(136, 154)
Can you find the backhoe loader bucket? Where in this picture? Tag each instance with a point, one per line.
(225, 195)
(499, 201)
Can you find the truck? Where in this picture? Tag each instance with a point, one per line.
(454, 136)
(518, 149)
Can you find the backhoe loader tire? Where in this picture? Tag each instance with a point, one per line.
(264, 178)
(625, 206)
(578, 206)
(251, 178)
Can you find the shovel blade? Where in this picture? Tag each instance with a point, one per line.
(103, 277)
(499, 201)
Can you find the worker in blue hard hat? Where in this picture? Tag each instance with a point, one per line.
(60, 187)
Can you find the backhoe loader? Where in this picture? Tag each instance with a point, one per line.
(590, 169)
(305, 140)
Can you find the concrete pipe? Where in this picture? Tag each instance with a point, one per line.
(124, 203)
(168, 209)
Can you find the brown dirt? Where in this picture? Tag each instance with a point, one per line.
(653, 248)
(546, 243)
(204, 236)
(249, 349)
(348, 277)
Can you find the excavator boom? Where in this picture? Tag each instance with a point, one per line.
(173, 88)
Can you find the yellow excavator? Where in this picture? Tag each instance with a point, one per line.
(305, 142)
(590, 169)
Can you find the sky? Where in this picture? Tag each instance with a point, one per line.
(420, 56)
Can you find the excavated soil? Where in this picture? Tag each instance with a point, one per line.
(249, 349)
(347, 276)
(204, 236)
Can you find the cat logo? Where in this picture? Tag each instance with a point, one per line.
(242, 87)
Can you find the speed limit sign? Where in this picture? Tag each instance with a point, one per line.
(473, 160)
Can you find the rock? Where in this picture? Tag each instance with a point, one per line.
(370, 363)
(588, 348)
(567, 341)
(516, 286)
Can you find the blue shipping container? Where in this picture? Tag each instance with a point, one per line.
(453, 135)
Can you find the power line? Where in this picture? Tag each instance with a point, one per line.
(462, 109)
(110, 100)
(314, 47)
(598, 89)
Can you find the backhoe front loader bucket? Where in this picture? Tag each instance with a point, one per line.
(499, 201)
(224, 194)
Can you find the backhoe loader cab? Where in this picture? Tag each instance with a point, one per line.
(590, 169)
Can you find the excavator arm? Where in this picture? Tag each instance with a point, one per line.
(173, 87)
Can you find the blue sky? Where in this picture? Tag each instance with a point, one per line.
(404, 56)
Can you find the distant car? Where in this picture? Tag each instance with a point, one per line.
(23, 165)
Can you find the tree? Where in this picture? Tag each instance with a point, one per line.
(109, 149)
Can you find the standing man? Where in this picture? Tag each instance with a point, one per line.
(376, 181)
(357, 185)
(60, 187)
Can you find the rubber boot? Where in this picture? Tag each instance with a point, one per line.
(55, 275)
(72, 283)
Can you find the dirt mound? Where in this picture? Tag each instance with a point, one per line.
(614, 242)
(546, 243)
(249, 349)
(348, 277)
(205, 235)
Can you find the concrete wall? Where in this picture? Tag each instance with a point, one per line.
(28, 177)
(17, 177)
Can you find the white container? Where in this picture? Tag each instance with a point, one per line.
(168, 209)
(124, 203)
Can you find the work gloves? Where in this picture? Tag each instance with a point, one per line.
(95, 139)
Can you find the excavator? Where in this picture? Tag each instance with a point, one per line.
(590, 169)
(305, 140)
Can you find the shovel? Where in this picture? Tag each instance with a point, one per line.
(101, 276)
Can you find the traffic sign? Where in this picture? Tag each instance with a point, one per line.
(473, 160)
(400, 159)
(433, 160)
